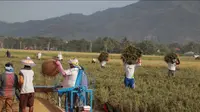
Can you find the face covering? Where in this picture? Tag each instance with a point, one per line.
(9, 69)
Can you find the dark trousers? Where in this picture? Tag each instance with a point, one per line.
(171, 72)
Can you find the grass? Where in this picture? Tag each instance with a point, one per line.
(155, 92)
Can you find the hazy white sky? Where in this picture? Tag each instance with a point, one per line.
(20, 11)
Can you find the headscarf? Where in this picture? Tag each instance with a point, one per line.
(9, 67)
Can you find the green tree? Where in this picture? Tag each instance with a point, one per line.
(148, 47)
(192, 46)
(78, 45)
(162, 48)
(124, 43)
(174, 46)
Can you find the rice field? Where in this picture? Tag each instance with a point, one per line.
(154, 92)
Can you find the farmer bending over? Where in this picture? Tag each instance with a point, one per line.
(26, 84)
(129, 79)
(8, 85)
(172, 67)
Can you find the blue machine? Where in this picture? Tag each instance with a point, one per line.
(80, 90)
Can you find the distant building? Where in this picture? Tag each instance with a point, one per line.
(190, 53)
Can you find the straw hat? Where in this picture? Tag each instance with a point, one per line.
(73, 62)
(28, 61)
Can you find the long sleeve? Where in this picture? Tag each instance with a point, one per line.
(178, 62)
(139, 63)
(60, 68)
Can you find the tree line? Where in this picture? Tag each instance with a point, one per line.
(99, 44)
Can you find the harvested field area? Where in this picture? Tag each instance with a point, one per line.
(155, 91)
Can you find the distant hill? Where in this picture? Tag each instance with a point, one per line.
(161, 21)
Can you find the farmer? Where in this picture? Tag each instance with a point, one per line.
(26, 84)
(60, 57)
(8, 85)
(8, 54)
(172, 67)
(103, 59)
(103, 64)
(94, 60)
(129, 79)
(39, 55)
(70, 74)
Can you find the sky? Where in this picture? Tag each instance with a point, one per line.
(21, 11)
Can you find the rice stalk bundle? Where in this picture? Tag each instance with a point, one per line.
(103, 56)
(49, 68)
(131, 54)
(170, 58)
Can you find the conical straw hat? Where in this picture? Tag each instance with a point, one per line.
(28, 62)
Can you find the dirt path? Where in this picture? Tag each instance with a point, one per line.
(41, 105)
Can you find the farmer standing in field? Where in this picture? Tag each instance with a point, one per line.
(8, 86)
(39, 55)
(8, 54)
(129, 79)
(103, 59)
(60, 57)
(131, 57)
(26, 84)
(172, 60)
(172, 67)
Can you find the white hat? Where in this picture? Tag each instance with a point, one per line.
(28, 61)
(73, 61)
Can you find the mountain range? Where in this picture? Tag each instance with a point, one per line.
(160, 21)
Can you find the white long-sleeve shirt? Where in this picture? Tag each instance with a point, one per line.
(172, 66)
(103, 63)
(39, 55)
(130, 69)
(70, 77)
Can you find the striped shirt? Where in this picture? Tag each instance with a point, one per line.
(8, 84)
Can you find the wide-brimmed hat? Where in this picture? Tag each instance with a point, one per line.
(73, 62)
(28, 61)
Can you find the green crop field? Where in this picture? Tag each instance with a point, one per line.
(154, 92)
